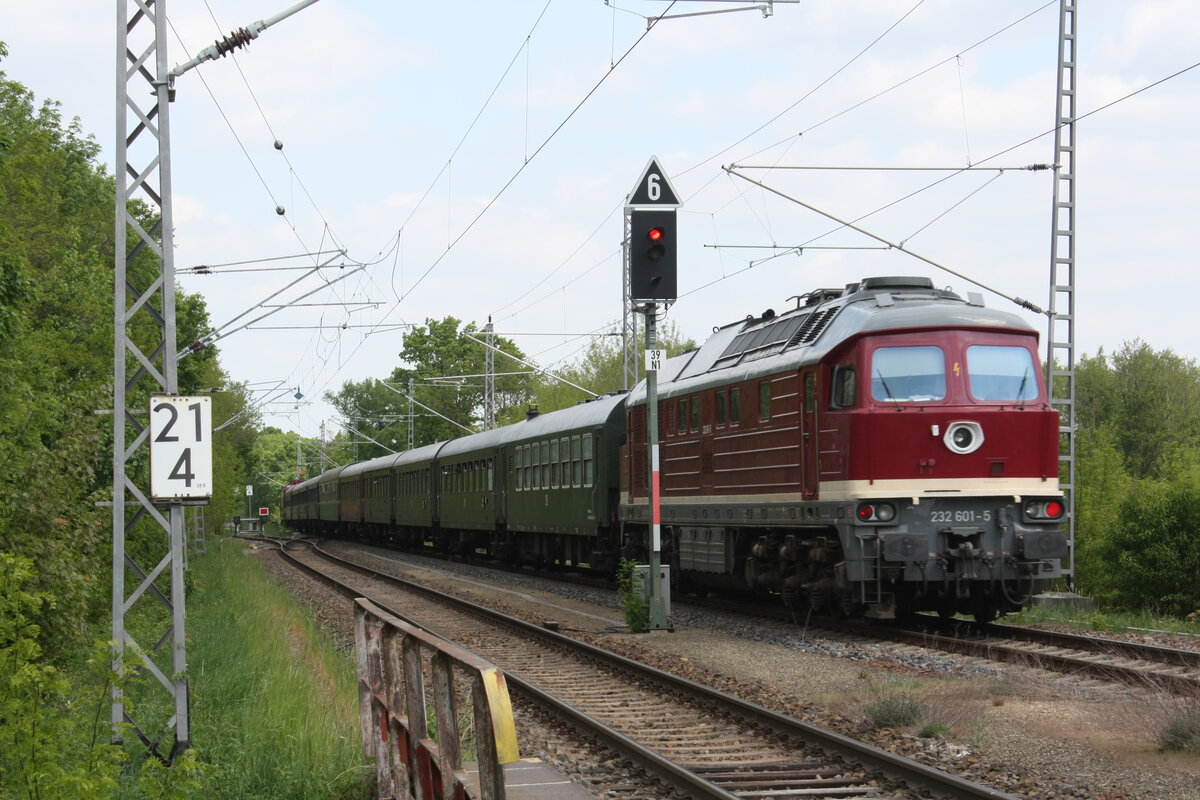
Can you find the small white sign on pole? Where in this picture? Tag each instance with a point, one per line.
(180, 447)
(654, 359)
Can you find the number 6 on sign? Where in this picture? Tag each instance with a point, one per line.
(180, 447)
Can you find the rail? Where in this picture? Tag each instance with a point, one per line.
(410, 760)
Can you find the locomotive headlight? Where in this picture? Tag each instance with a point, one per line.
(963, 437)
(875, 512)
(1044, 509)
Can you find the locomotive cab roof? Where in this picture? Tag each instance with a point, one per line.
(821, 321)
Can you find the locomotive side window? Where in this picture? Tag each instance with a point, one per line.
(764, 401)
(683, 414)
(908, 374)
(844, 386)
(810, 393)
(735, 406)
(696, 414)
(721, 409)
(1001, 374)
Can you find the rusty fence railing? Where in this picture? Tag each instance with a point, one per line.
(410, 760)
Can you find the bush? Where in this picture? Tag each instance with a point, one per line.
(898, 711)
(1182, 732)
(634, 607)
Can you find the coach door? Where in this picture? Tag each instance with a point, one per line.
(810, 439)
(497, 478)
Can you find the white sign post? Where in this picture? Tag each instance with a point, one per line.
(180, 448)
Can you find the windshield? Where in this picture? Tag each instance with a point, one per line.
(908, 374)
(1001, 374)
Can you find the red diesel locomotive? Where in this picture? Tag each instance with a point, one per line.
(880, 449)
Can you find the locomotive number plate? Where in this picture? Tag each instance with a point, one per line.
(960, 516)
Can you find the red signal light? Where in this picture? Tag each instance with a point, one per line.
(1054, 509)
(655, 234)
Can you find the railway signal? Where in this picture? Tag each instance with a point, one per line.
(653, 255)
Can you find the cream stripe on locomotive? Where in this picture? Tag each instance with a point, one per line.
(864, 490)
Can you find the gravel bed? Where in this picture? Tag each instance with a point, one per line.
(1027, 732)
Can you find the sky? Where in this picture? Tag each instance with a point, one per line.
(473, 159)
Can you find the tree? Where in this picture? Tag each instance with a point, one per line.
(446, 371)
(601, 368)
(1151, 400)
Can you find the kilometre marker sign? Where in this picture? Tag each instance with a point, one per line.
(180, 448)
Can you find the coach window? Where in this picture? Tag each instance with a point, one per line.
(695, 413)
(587, 459)
(735, 406)
(764, 401)
(554, 470)
(520, 464)
(576, 461)
(564, 449)
(490, 474)
(683, 414)
(545, 465)
(721, 399)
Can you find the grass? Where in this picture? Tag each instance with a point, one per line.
(274, 704)
(1109, 621)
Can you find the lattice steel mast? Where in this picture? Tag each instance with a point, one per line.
(1060, 341)
(142, 133)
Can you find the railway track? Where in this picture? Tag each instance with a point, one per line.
(1135, 664)
(700, 742)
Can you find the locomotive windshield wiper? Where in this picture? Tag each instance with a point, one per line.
(1021, 389)
(883, 382)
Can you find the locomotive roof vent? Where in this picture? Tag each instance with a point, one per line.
(532, 412)
(891, 283)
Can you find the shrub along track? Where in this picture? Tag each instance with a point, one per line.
(703, 743)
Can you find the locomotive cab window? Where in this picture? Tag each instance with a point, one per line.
(764, 401)
(695, 413)
(1001, 374)
(844, 387)
(908, 374)
(683, 414)
(720, 409)
(735, 406)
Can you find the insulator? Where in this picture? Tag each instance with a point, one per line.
(278, 145)
(280, 210)
(239, 38)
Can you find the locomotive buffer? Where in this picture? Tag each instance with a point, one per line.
(652, 249)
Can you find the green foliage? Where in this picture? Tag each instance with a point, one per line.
(446, 369)
(600, 368)
(46, 748)
(275, 704)
(1138, 461)
(634, 606)
(1154, 550)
